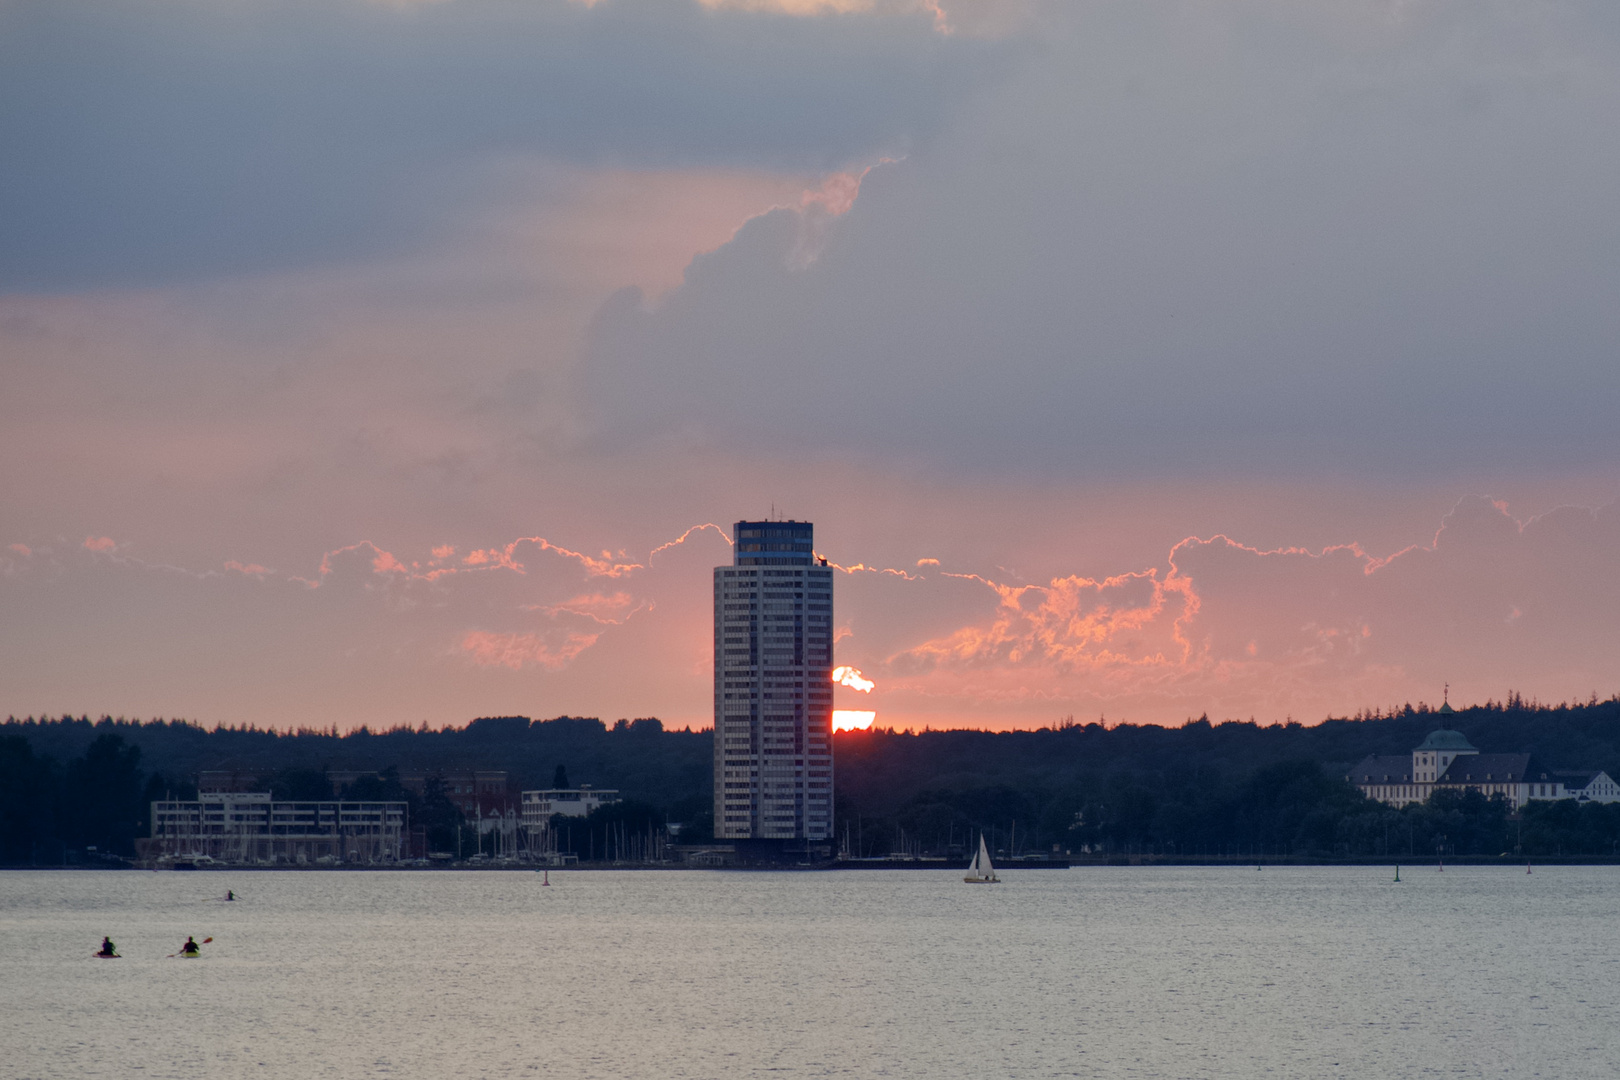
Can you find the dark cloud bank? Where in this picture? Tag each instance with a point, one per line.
(1288, 239)
(166, 140)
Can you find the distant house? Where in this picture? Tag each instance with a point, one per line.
(540, 806)
(1447, 761)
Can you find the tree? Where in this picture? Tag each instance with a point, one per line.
(440, 817)
(105, 805)
(28, 789)
(301, 785)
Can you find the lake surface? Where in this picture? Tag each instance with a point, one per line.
(1116, 972)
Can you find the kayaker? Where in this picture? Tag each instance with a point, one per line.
(190, 948)
(107, 948)
(229, 895)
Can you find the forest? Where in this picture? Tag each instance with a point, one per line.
(75, 790)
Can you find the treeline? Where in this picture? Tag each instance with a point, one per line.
(638, 757)
(1230, 789)
(1233, 789)
(83, 810)
(1294, 808)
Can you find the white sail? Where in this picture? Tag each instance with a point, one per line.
(980, 869)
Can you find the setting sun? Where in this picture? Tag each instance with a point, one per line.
(852, 719)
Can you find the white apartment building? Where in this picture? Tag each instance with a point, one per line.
(539, 806)
(249, 827)
(773, 759)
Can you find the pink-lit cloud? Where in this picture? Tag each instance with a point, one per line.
(99, 543)
(681, 539)
(862, 568)
(605, 609)
(1488, 602)
(519, 650)
(1224, 624)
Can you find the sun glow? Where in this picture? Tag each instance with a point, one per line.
(852, 678)
(852, 720)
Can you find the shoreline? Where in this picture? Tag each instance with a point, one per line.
(953, 866)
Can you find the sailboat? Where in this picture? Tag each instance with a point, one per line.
(980, 872)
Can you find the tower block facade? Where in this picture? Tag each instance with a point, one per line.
(773, 761)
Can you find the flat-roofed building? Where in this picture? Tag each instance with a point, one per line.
(539, 806)
(251, 828)
(773, 754)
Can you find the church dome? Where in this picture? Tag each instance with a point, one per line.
(1446, 740)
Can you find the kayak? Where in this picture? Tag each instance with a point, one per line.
(191, 955)
(108, 956)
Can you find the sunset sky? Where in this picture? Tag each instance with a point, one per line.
(402, 361)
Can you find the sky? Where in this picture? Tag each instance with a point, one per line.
(405, 361)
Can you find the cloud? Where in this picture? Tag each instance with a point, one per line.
(1252, 238)
(1488, 601)
(99, 543)
(604, 609)
(1492, 604)
(517, 651)
(177, 140)
(1071, 624)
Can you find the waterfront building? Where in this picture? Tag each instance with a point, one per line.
(252, 828)
(773, 759)
(1447, 761)
(484, 793)
(210, 781)
(539, 806)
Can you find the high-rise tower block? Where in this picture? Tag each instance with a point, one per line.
(773, 761)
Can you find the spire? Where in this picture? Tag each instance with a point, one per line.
(1445, 701)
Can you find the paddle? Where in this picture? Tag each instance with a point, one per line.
(204, 941)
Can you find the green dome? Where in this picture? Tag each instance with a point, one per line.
(1446, 740)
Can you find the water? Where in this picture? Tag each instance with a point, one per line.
(1118, 972)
